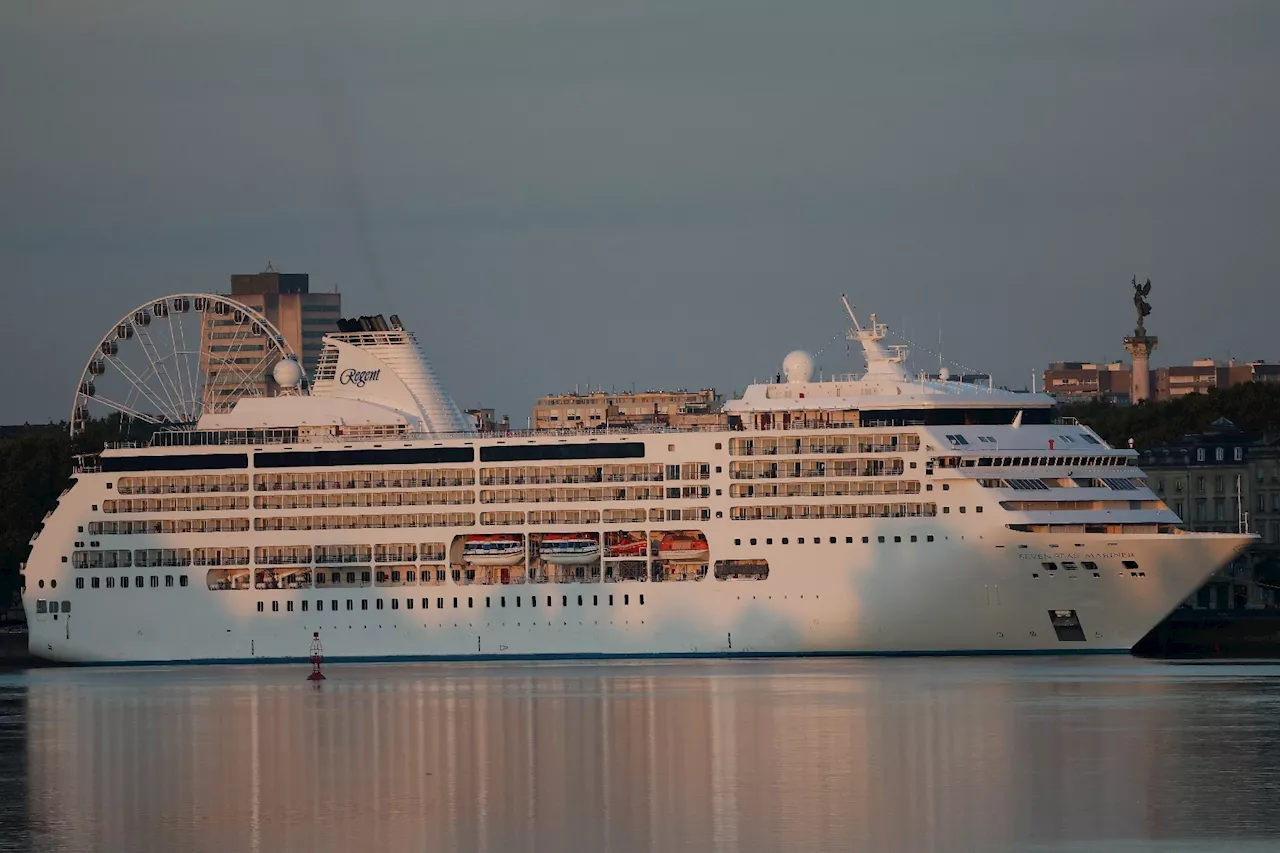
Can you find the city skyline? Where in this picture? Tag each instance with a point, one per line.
(672, 196)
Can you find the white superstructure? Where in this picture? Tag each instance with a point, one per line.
(880, 513)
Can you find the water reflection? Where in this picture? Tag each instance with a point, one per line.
(875, 755)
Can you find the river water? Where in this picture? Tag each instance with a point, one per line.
(854, 754)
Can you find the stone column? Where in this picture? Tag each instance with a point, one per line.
(1140, 347)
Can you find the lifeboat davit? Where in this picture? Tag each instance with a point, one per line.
(683, 548)
(625, 546)
(496, 550)
(569, 549)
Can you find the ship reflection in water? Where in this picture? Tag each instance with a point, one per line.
(750, 755)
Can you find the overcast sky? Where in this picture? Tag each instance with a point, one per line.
(667, 193)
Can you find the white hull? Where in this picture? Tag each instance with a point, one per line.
(495, 559)
(959, 594)
(578, 559)
(686, 555)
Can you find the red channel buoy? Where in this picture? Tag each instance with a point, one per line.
(317, 658)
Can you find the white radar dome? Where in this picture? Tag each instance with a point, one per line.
(287, 373)
(798, 366)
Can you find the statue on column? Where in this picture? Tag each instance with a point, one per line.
(1141, 304)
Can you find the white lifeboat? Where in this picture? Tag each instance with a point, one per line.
(569, 549)
(496, 550)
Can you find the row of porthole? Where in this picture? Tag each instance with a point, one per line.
(139, 582)
(440, 603)
(817, 540)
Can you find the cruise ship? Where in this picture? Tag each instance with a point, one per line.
(878, 513)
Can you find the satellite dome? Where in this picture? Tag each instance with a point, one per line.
(798, 366)
(287, 373)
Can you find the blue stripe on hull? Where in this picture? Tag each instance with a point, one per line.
(598, 656)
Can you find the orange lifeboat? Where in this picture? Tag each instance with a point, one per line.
(683, 548)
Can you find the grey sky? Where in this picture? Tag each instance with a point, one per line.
(668, 192)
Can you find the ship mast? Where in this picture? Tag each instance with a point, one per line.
(879, 362)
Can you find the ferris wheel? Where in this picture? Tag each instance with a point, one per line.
(169, 361)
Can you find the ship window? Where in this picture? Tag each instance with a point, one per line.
(79, 583)
(929, 538)
(897, 539)
(351, 605)
(1049, 566)
(168, 580)
(880, 539)
(946, 487)
(42, 606)
(288, 605)
(395, 603)
(155, 581)
(124, 581)
(564, 601)
(364, 603)
(111, 582)
(768, 541)
(53, 584)
(611, 601)
(1068, 565)
(914, 539)
(866, 539)
(737, 542)
(753, 541)
(579, 601)
(305, 605)
(977, 509)
(785, 541)
(80, 529)
(642, 598)
(137, 582)
(1130, 564)
(848, 540)
(379, 603)
(275, 607)
(946, 510)
(800, 540)
(833, 540)
(408, 603)
(94, 582)
(719, 446)
(1092, 567)
(595, 601)
(962, 509)
(66, 606)
(64, 558)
